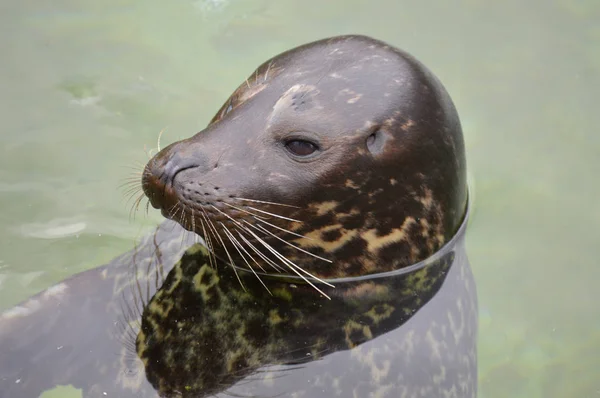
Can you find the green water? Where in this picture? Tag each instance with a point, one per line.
(87, 86)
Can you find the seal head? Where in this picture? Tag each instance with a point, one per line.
(342, 157)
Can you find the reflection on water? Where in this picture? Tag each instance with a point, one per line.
(87, 88)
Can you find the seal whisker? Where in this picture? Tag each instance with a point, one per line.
(283, 229)
(137, 288)
(274, 215)
(159, 278)
(129, 186)
(138, 297)
(236, 223)
(285, 260)
(292, 266)
(183, 220)
(209, 223)
(148, 275)
(128, 332)
(212, 249)
(170, 211)
(173, 210)
(210, 246)
(267, 72)
(261, 255)
(248, 231)
(148, 152)
(320, 78)
(160, 135)
(131, 193)
(262, 229)
(128, 314)
(244, 249)
(132, 178)
(129, 181)
(264, 201)
(184, 236)
(231, 262)
(135, 206)
(226, 215)
(138, 163)
(137, 166)
(193, 220)
(238, 246)
(242, 210)
(292, 245)
(135, 172)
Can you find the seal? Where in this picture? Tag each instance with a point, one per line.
(320, 134)
(329, 196)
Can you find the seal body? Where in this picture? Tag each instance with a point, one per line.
(405, 333)
(328, 195)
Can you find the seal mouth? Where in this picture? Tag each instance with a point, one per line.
(158, 184)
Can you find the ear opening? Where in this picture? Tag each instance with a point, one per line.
(376, 142)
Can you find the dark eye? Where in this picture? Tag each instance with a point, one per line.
(301, 147)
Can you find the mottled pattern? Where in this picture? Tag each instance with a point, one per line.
(196, 342)
(199, 305)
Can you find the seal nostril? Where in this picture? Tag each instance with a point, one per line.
(179, 170)
(174, 166)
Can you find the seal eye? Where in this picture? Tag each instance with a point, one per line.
(301, 147)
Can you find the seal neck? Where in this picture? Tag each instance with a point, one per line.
(456, 240)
